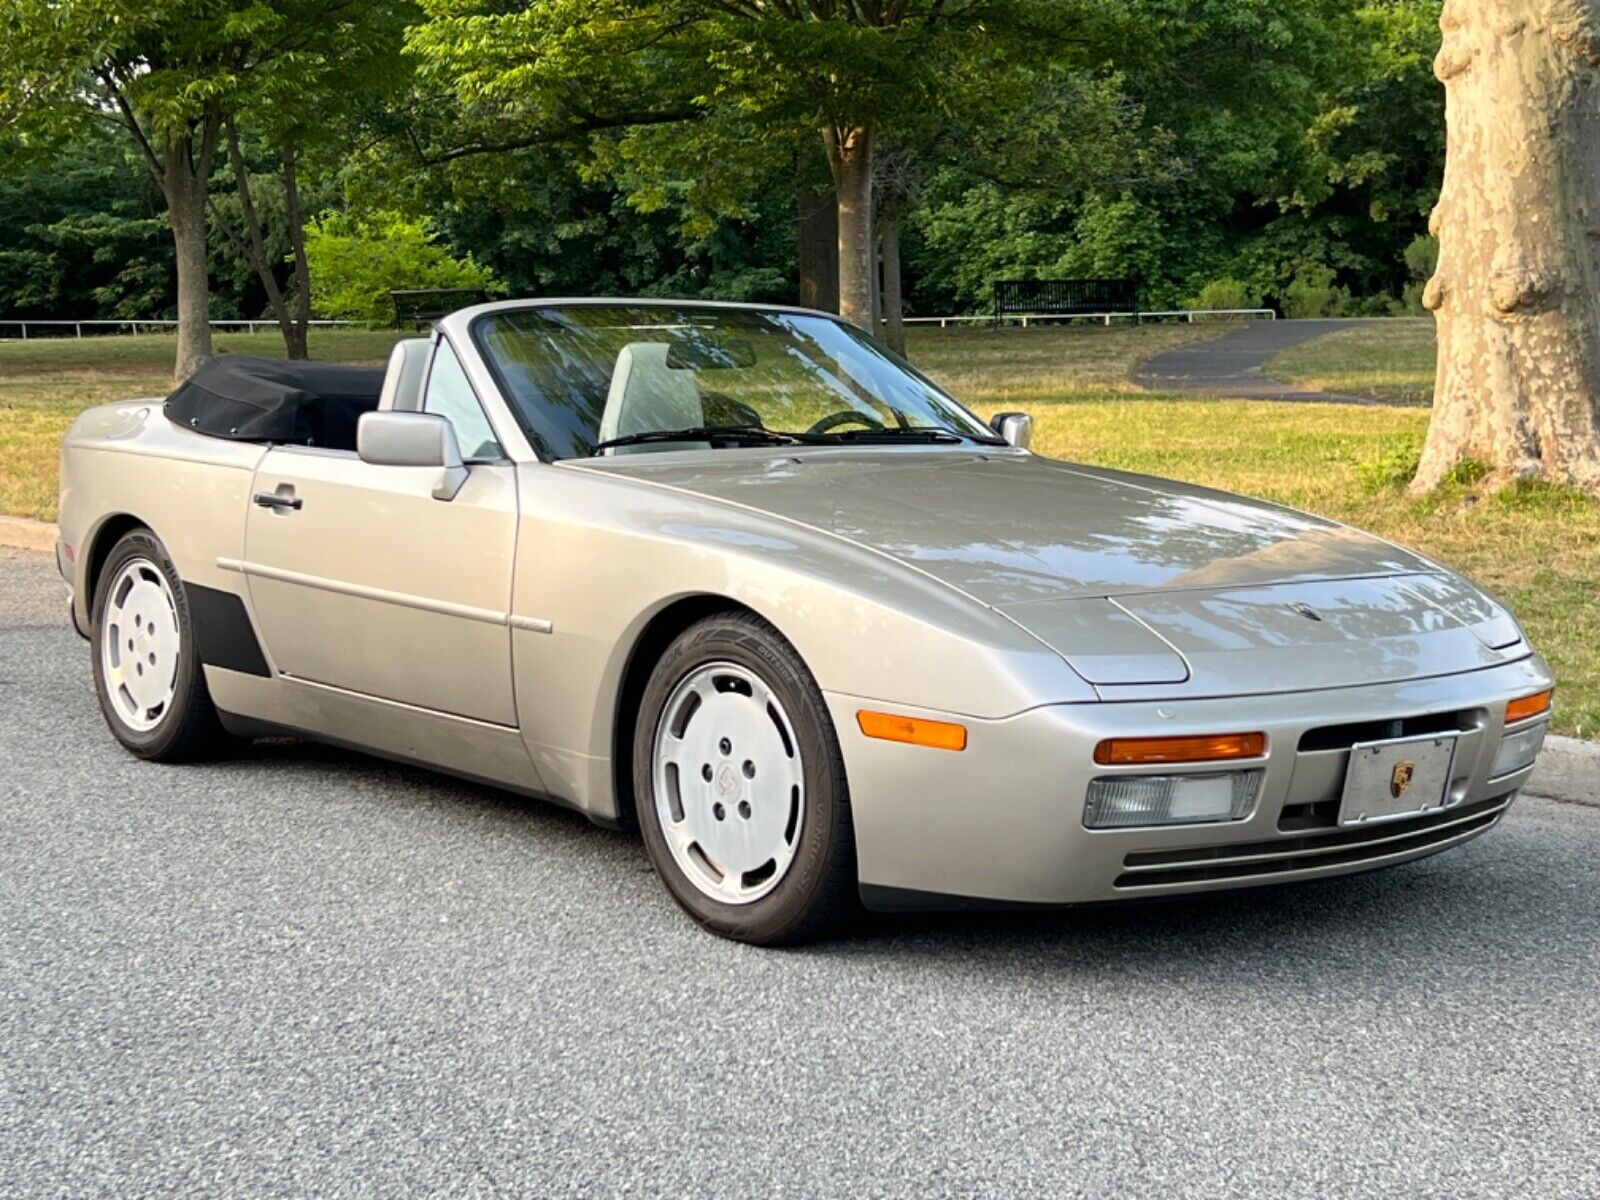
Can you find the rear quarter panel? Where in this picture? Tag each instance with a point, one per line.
(128, 461)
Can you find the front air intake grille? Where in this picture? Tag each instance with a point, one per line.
(1308, 852)
(1342, 737)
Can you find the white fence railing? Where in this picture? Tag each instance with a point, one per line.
(137, 325)
(1183, 314)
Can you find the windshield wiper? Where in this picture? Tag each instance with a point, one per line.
(748, 435)
(942, 437)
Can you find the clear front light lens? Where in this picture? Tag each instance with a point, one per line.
(1126, 801)
(1518, 750)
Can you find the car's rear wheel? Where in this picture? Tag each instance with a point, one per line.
(741, 788)
(151, 686)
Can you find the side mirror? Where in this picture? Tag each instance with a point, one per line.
(1015, 427)
(413, 439)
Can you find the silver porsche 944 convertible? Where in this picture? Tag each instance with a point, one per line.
(742, 578)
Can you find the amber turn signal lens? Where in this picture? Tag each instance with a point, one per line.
(1209, 748)
(914, 731)
(1529, 706)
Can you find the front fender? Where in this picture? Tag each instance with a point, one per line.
(599, 557)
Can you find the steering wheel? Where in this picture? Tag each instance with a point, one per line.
(847, 416)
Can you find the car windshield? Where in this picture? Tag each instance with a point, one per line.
(600, 378)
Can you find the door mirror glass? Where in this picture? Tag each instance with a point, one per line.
(413, 439)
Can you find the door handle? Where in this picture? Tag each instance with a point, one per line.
(274, 500)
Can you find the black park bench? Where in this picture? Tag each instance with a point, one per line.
(424, 306)
(1066, 298)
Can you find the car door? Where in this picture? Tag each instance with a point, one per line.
(361, 580)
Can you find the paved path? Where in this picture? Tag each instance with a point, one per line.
(305, 972)
(1231, 365)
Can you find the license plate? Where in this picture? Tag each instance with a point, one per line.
(1396, 779)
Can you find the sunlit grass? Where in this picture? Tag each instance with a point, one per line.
(46, 382)
(1387, 360)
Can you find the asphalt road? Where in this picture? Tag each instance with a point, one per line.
(1234, 364)
(312, 973)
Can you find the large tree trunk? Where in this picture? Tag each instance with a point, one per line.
(817, 247)
(256, 244)
(894, 326)
(297, 250)
(850, 157)
(183, 180)
(1517, 292)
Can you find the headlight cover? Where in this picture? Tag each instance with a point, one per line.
(1134, 801)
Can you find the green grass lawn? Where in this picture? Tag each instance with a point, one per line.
(1015, 368)
(45, 382)
(1537, 547)
(1388, 360)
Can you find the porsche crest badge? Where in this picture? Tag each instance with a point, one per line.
(1400, 779)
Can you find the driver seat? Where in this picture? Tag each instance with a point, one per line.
(647, 395)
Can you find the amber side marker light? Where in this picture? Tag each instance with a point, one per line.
(914, 731)
(1529, 706)
(1216, 747)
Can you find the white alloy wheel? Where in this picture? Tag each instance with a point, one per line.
(729, 783)
(139, 645)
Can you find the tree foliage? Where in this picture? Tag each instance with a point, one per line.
(357, 260)
(84, 233)
(621, 146)
(710, 97)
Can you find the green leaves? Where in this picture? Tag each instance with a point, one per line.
(693, 104)
(357, 260)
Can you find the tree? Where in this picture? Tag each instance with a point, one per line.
(897, 180)
(293, 327)
(740, 77)
(172, 74)
(164, 72)
(340, 59)
(1517, 292)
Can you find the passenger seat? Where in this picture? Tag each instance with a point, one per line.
(647, 395)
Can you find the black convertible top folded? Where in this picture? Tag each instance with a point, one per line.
(273, 400)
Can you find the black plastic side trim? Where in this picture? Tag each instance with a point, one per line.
(223, 632)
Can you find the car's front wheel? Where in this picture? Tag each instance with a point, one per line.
(151, 686)
(741, 788)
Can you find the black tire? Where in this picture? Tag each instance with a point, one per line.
(188, 727)
(817, 894)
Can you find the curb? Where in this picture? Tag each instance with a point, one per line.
(20, 533)
(1568, 770)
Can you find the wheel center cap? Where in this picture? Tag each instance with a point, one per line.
(727, 781)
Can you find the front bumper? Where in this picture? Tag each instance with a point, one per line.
(1002, 821)
(64, 566)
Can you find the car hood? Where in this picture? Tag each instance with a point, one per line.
(1135, 581)
(1012, 529)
